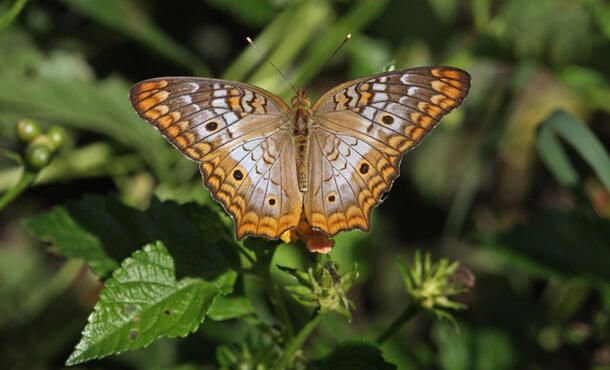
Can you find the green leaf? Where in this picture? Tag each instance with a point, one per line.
(353, 354)
(104, 231)
(580, 137)
(475, 348)
(550, 30)
(559, 244)
(144, 301)
(225, 308)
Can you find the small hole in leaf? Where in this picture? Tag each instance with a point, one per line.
(136, 319)
(129, 309)
(133, 334)
(167, 312)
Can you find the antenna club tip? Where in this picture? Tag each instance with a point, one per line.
(349, 36)
(249, 40)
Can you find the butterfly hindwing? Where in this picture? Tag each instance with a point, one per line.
(344, 184)
(378, 119)
(237, 134)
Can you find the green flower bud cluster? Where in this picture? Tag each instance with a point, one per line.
(40, 147)
(322, 287)
(432, 285)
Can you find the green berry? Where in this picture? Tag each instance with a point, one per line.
(57, 135)
(38, 156)
(27, 129)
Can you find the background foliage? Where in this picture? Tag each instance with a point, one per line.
(501, 185)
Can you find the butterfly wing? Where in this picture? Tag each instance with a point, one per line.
(361, 130)
(238, 135)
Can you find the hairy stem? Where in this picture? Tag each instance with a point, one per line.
(297, 342)
(278, 304)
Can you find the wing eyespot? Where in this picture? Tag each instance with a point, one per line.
(272, 201)
(211, 126)
(238, 175)
(387, 119)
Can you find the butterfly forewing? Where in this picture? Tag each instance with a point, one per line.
(361, 130)
(238, 134)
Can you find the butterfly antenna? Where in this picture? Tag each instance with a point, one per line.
(349, 36)
(273, 65)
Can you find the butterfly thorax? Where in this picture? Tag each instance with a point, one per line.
(300, 119)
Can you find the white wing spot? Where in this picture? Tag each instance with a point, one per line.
(405, 78)
(195, 86)
(380, 97)
(220, 103)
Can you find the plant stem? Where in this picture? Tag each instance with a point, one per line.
(12, 13)
(405, 316)
(26, 179)
(297, 342)
(278, 304)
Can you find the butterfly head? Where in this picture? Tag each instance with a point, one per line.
(300, 100)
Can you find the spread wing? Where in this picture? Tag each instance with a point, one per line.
(238, 134)
(361, 130)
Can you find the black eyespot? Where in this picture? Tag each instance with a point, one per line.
(364, 168)
(238, 175)
(387, 119)
(211, 126)
(331, 198)
(271, 201)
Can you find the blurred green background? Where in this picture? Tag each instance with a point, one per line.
(476, 190)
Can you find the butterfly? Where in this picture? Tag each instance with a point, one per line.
(268, 163)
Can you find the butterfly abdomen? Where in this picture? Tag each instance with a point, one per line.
(301, 132)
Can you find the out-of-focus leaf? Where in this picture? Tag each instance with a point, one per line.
(21, 273)
(159, 355)
(559, 244)
(353, 354)
(124, 16)
(143, 301)
(225, 308)
(291, 31)
(551, 30)
(590, 84)
(258, 350)
(580, 137)
(11, 13)
(601, 10)
(367, 56)
(473, 349)
(361, 14)
(103, 231)
(253, 12)
(266, 40)
(31, 88)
